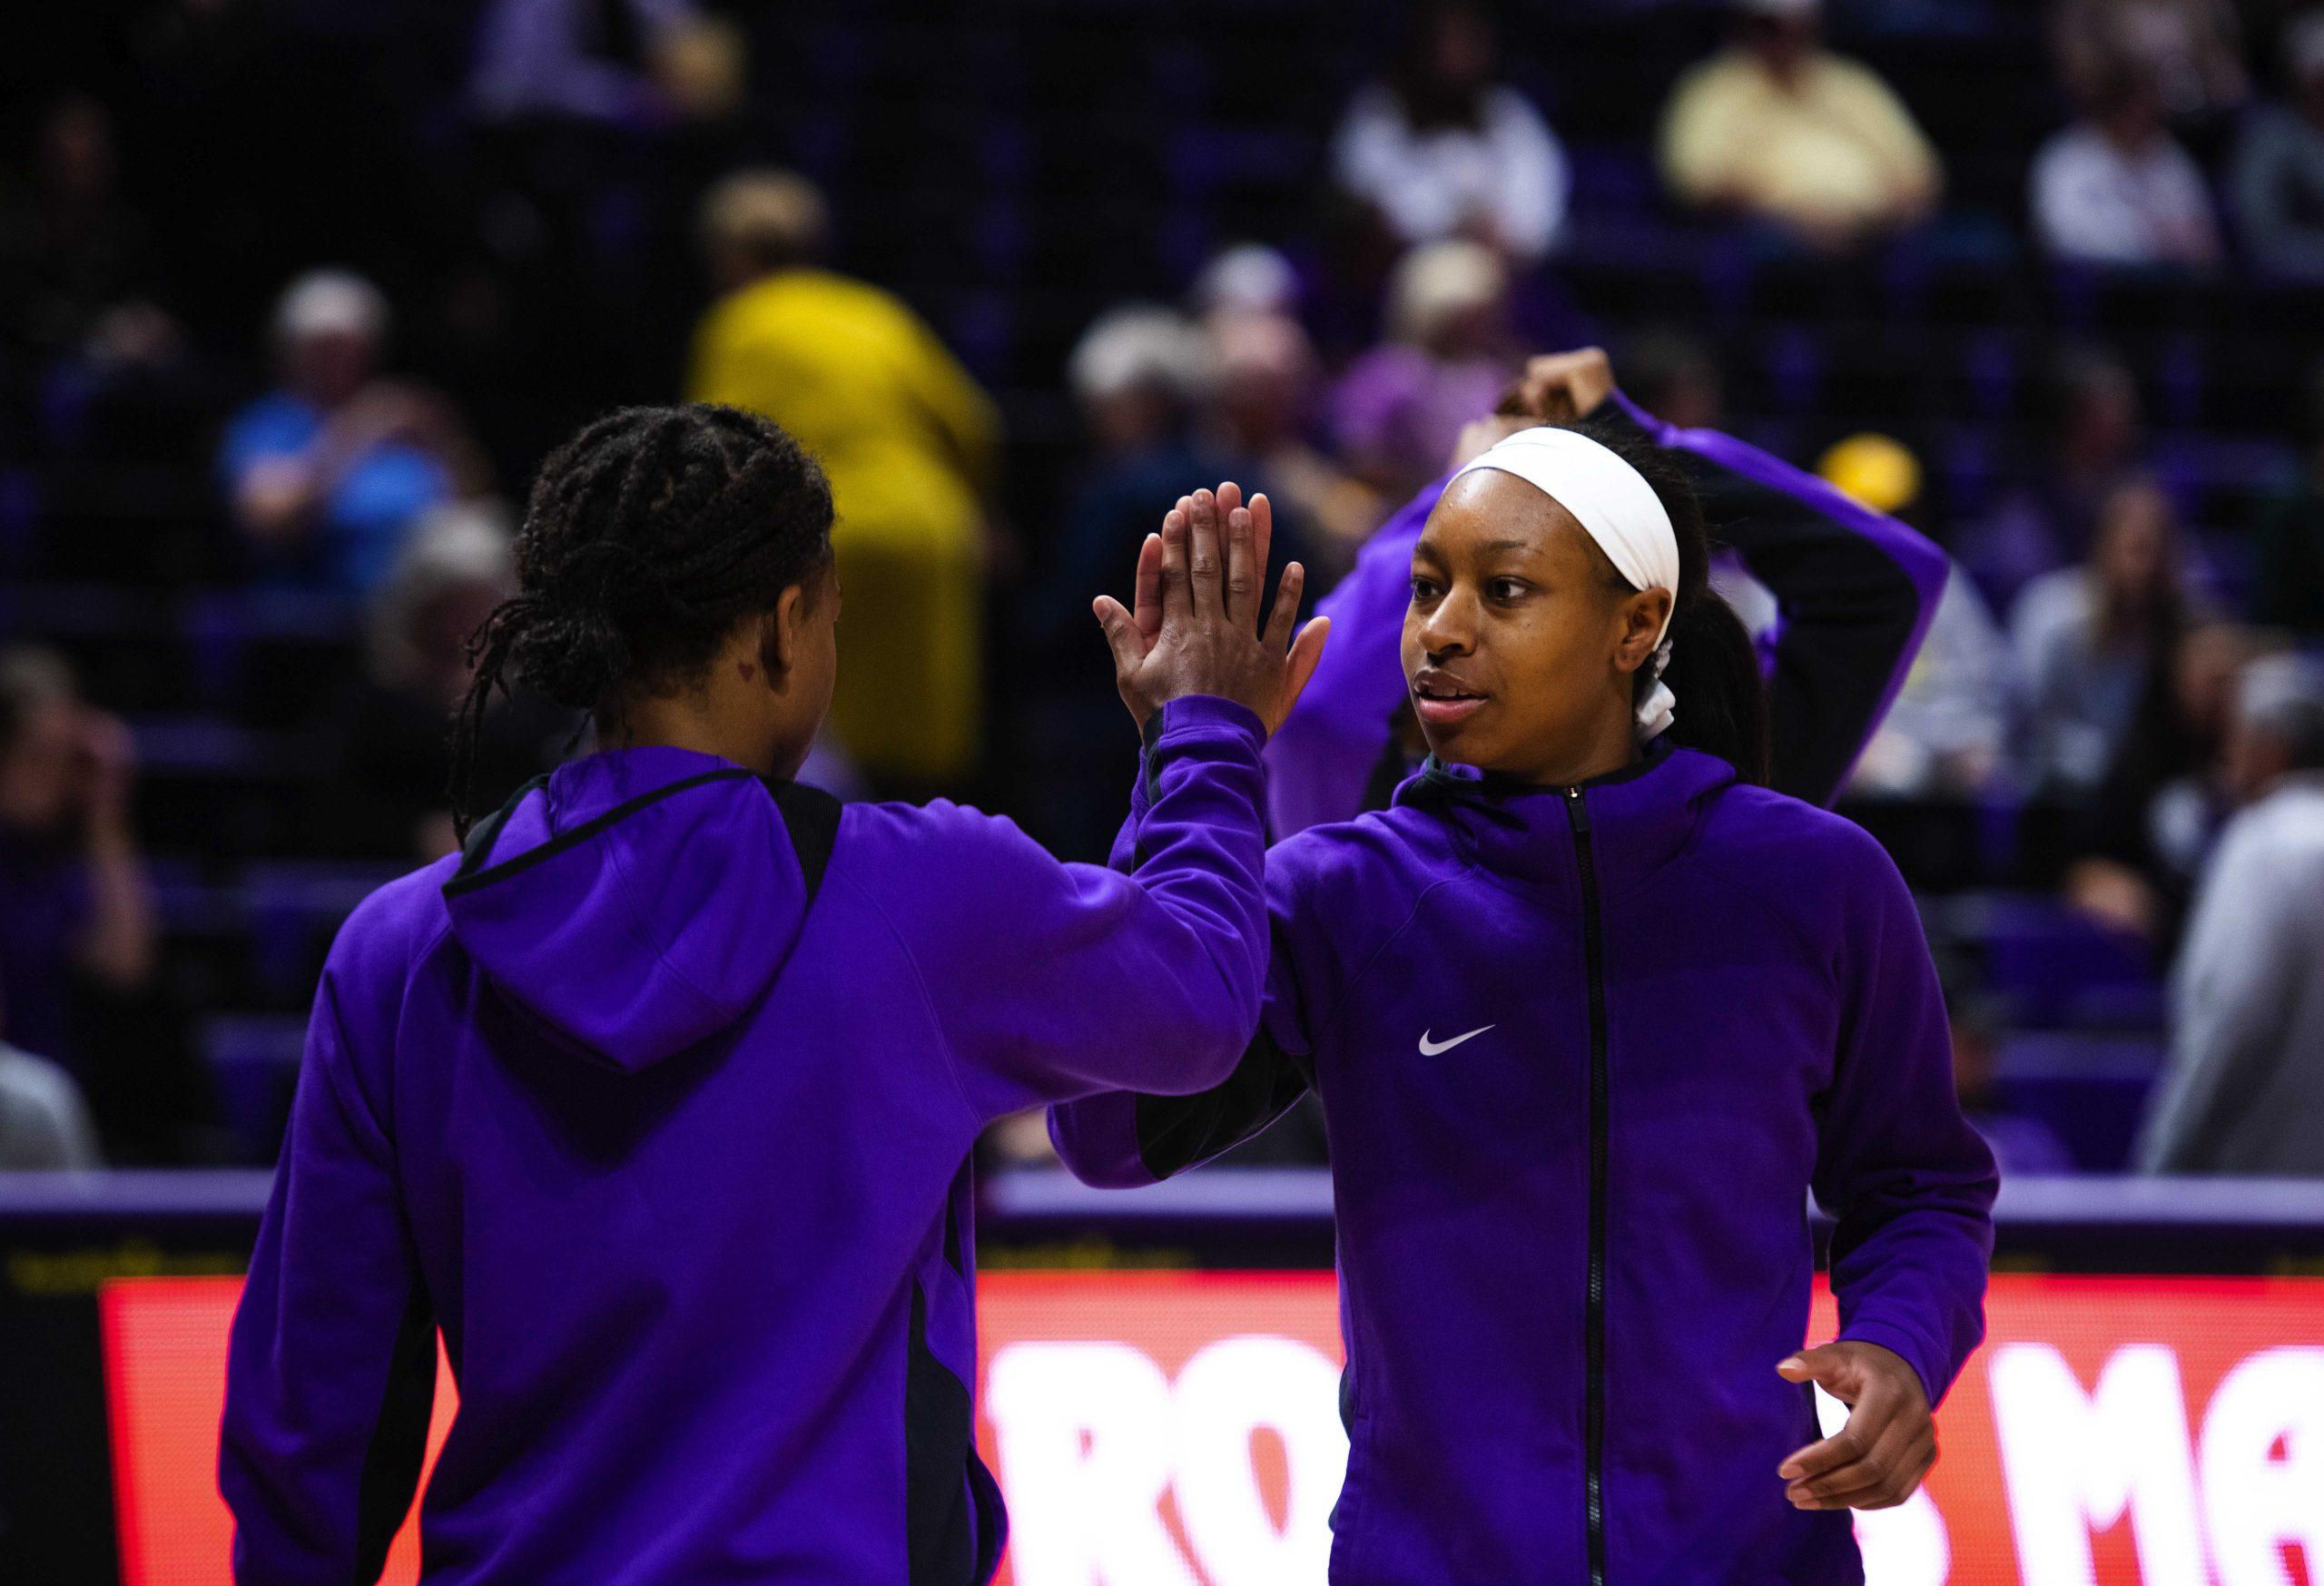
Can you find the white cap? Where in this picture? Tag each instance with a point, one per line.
(330, 302)
(1249, 277)
(1139, 345)
(1437, 280)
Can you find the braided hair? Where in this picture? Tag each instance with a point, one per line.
(649, 535)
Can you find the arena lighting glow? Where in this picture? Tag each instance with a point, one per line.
(1181, 1429)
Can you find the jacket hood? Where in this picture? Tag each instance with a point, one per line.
(1639, 819)
(640, 900)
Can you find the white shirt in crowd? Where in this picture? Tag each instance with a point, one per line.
(2245, 1090)
(1509, 170)
(2094, 200)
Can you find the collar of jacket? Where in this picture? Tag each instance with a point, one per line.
(1640, 819)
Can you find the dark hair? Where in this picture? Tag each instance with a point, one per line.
(649, 535)
(1714, 668)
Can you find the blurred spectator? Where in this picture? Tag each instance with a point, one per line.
(2191, 50)
(1249, 277)
(911, 444)
(2166, 794)
(2288, 583)
(75, 903)
(2023, 1145)
(1135, 374)
(328, 472)
(2245, 1090)
(70, 246)
(591, 60)
(1401, 407)
(1265, 394)
(2090, 443)
(2116, 189)
(390, 744)
(1441, 148)
(2278, 178)
(1947, 730)
(1778, 129)
(43, 1123)
(1161, 423)
(2086, 636)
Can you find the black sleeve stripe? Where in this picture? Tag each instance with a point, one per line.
(811, 817)
(399, 1443)
(1174, 1132)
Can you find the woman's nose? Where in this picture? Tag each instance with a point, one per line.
(1451, 628)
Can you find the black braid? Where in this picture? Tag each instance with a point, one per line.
(649, 535)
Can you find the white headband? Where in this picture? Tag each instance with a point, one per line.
(1614, 503)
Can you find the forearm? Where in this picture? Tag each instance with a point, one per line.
(1912, 1278)
(1125, 1138)
(117, 948)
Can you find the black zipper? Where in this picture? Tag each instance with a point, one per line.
(1594, 1320)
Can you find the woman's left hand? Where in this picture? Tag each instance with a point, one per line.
(1878, 1460)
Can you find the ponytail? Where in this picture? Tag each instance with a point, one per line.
(1714, 670)
(1714, 666)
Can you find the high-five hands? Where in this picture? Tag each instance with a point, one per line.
(1195, 628)
(1878, 1458)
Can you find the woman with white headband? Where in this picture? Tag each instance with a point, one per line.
(1590, 1013)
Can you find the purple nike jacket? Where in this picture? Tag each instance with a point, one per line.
(1855, 591)
(1582, 1053)
(659, 1104)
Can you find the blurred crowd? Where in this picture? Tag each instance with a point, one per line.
(2133, 686)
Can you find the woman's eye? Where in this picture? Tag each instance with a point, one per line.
(1505, 588)
(1423, 588)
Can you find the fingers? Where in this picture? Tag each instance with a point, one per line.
(1205, 563)
(1243, 574)
(1882, 1481)
(1121, 633)
(1262, 533)
(1306, 654)
(1148, 614)
(1286, 608)
(1177, 598)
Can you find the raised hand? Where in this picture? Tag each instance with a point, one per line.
(1194, 628)
(1878, 1458)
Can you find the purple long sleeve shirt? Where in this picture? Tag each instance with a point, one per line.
(659, 1104)
(1583, 1054)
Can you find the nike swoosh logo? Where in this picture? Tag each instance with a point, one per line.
(1428, 1049)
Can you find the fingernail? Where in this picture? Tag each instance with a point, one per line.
(1789, 1360)
(1789, 1473)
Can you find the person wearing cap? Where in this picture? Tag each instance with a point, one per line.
(911, 446)
(1778, 129)
(1591, 1010)
(1398, 409)
(328, 473)
(2277, 180)
(2244, 1093)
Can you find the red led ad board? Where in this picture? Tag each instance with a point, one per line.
(1181, 1429)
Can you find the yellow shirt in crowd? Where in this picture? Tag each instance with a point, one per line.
(1836, 147)
(909, 443)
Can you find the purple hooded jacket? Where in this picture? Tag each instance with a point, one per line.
(1856, 590)
(1581, 1054)
(659, 1103)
